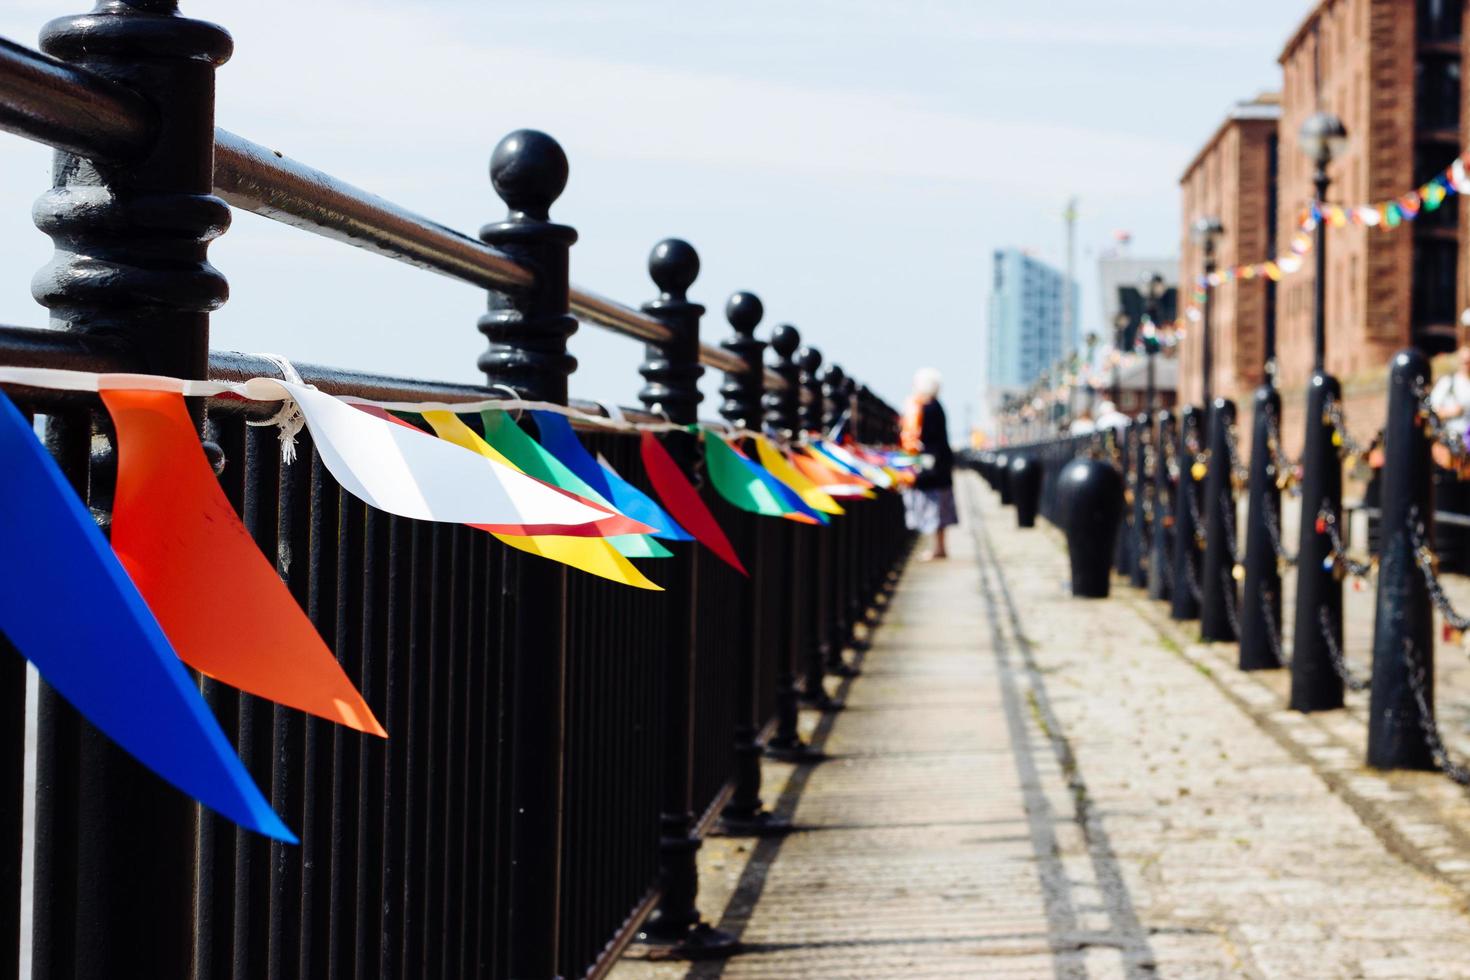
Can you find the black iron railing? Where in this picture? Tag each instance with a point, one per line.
(558, 744)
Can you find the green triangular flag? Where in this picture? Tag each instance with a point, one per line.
(512, 441)
(734, 481)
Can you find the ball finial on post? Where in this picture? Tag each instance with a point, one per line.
(782, 405)
(673, 265)
(529, 171)
(671, 370)
(744, 311)
(528, 329)
(785, 339)
(742, 389)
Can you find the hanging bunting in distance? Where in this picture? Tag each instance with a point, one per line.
(779, 466)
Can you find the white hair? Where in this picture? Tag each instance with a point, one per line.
(926, 382)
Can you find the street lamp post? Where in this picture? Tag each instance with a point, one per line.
(1315, 683)
(1121, 323)
(1092, 339)
(1142, 566)
(1260, 616)
(1218, 591)
(1193, 431)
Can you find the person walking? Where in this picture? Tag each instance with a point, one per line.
(929, 504)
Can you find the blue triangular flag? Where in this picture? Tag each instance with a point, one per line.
(74, 613)
(558, 439)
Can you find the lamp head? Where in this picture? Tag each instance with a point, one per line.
(1323, 137)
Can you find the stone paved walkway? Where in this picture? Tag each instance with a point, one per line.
(1028, 785)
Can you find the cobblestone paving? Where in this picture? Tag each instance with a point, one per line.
(1028, 785)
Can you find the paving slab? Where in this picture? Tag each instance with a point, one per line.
(1031, 785)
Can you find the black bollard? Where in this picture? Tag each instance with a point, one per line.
(1002, 482)
(1315, 683)
(1184, 602)
(1260, 616)
(1403, 622)
(1161, 543)
(1091, 498)
(1141, 434)
(1218, 589)
(1025, 483)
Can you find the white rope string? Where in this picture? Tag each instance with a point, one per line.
(289, 418)
(265, 389)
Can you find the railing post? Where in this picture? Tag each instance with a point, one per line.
(782, 414)
(1218, 594)
(1403, 622)
(820, 635)
(1161, 550)
(839, 630)
(1260, 619)
(672, 374)
(113, 848)
(1315, 683)
(528, 333)
(1184, 603)
(745, 813)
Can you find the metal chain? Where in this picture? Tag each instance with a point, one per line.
(1327, 523)
(1273, 631)
(1428, 563)
(1273, 531)
(1334, 654)
(1342, 439)
(1436, 427)
(1238, 472)
(1227, 590)
(1417, 686)
(1279, 466)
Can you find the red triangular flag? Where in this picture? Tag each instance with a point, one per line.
(683, 503)
(219, 601)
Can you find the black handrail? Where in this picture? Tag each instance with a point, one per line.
(68, 108)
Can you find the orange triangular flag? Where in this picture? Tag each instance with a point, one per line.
(220, 602)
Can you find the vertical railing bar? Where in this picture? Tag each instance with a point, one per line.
(372, 754)
(317, 775)
(349, 641)
(259, 458)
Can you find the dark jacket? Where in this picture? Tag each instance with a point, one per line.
(934, 434)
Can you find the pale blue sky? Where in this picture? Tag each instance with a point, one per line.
(853, 162)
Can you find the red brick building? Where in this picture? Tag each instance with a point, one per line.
(1390, 69)
(1233, 178)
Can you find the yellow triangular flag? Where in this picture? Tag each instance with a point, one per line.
(780, 467)
(591, 555)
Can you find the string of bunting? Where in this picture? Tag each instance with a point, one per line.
(179, 561)
(1392, 213)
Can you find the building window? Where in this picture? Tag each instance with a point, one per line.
(1434, 294)
(1439, 20)
(1437, 91)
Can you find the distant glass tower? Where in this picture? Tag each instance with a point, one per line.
(1028, 313)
